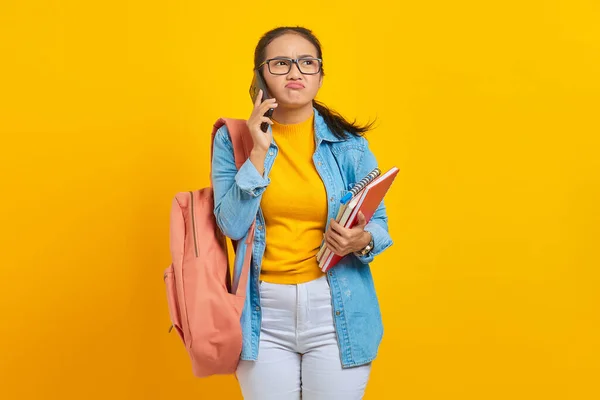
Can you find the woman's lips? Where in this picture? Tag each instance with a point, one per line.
(294, 86)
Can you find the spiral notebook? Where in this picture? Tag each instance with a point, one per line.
(351, 198)
(365, 196)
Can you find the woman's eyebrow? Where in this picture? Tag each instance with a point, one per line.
(300, 56)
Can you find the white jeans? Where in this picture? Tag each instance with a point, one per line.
(298, 353)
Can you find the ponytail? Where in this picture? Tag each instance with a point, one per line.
(338, 124)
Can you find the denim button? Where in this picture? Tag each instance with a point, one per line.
(337, 313)
(271, 153)
(257, 308)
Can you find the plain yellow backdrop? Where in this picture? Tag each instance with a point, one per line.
(489, 109)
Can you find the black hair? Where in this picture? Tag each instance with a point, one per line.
(336, 123)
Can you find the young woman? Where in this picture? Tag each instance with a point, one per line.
(305, 333)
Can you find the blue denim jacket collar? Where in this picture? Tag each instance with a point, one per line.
(322, 131)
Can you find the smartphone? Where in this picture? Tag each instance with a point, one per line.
(259, 83)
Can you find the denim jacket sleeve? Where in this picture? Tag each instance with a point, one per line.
(237, 193)
(378, 224)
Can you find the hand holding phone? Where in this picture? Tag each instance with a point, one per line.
(262, 139)
(259, 121)
(257, 87)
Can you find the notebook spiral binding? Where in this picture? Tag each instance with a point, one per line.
(365, 181)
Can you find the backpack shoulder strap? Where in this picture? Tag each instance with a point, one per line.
(241, 139)
(242, 142)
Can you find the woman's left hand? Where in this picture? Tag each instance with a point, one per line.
(344, 241)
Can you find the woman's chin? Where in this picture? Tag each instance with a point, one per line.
(293, 104)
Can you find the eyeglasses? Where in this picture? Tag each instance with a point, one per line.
(283, 65)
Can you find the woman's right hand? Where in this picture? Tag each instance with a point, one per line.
(262, 140)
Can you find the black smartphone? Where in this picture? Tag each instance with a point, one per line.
(259, 83)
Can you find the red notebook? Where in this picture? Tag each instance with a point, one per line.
(369, 199)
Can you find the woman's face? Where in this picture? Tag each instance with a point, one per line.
(293, 90)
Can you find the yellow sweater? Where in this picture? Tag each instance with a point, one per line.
(295, 208)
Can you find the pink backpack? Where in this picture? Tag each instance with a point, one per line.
(202, 309)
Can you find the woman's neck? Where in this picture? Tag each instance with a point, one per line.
(287, 116)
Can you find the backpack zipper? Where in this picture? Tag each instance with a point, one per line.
(194, 223)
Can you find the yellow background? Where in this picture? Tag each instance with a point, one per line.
(490, 110)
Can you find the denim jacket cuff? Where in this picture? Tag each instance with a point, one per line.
(249, 180)
(381, 241)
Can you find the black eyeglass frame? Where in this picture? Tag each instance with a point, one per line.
(292, 61)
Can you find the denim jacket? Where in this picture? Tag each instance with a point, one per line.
(237, 196)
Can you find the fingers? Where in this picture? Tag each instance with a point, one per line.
(267, 104)
(342, 240)
(335, 226)
(335, 242)
(332, 245)
(258, 101)
(263, 105)
(361, 219)
(334, 237)
(258, 114)
(267, 120)
(257, 118)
